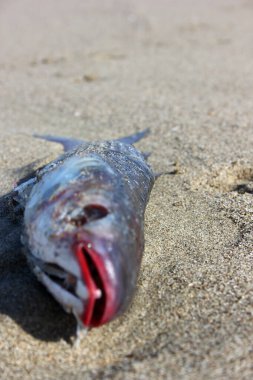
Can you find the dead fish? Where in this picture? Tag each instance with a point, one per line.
(84, 225)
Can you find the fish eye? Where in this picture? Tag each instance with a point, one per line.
(94, 212)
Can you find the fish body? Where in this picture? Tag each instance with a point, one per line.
(84, 226)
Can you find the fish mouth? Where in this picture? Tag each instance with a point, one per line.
(89, 298)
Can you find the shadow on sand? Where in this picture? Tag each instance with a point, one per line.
(22, 297)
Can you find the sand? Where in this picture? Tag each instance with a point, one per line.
(100, 70)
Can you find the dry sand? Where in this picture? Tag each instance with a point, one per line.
(103, 69)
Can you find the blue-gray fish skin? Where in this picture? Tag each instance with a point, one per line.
(84, 226)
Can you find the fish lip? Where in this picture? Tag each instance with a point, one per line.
(100, 308)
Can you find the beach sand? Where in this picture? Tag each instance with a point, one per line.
(100, 70)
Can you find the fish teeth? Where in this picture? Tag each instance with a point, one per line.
(81, 290)
(69, 302)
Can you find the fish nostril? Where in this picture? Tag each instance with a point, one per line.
(89, 214)
(79, 220)
(94, 212)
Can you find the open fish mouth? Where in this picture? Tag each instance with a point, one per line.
(84, 297)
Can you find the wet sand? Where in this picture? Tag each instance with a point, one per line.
(100, 70)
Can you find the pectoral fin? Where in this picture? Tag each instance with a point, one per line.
(132, 139)
(67, 142)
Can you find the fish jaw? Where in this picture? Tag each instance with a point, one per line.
(100, 307)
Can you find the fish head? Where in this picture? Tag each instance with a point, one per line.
(82, 244)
